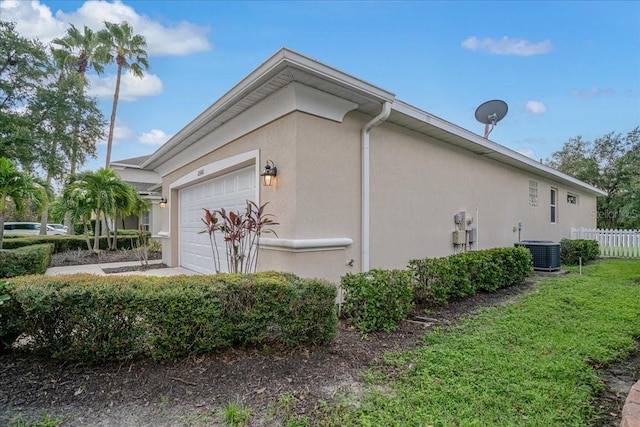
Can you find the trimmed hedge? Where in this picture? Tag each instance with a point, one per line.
(9, 331)
(129, 232)
(378, 299)
(68, 243)
(27, 260)
(438, 280)
(572, 250)
(91, 318)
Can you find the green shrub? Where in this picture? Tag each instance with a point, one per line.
(130, 232)
(68, 243)
(90, 318)
(572, 250)
(438, 280)
(9, 329)
(27, 260)
(378, 299)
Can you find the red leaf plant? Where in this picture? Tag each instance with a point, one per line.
(241, 233)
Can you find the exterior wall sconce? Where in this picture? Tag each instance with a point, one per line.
(268, 174)
(163, 202)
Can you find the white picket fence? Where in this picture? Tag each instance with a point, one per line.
(613, 243)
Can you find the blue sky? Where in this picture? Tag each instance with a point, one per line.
(564, 68)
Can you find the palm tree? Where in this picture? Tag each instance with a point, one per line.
(17, 187)
(84, 51)
(128, 51)
(80, 51)
(99, 191)
(127, 203)
(75, 203)
(64, 64)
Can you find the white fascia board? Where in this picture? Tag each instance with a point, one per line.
(305, 245)
(124, 166)
(260, 76)
(488, 148)
(312, 66)
(286, 100)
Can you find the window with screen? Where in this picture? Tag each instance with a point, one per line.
(533, 193)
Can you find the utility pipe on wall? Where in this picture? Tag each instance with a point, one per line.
(384, 114)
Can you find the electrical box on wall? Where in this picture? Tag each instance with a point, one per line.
(473, 235)
(459, 237)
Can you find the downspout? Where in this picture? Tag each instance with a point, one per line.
(384, 114)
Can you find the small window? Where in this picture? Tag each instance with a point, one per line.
(144, 221)
(572, 199)
(533, 193)
(554, 208)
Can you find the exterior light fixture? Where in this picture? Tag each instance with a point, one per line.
(269, 173)
(163, 202)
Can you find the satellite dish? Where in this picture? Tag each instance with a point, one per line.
(490, 113)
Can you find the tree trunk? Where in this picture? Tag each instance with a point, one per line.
(96, 232)
(1, 226)
(113, 117)
(44, 219)
(115, 233)
(45, 212)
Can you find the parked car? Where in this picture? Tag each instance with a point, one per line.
(59, 227)
(29, 228)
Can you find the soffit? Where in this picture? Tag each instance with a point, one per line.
(282, 69)
(285, 77)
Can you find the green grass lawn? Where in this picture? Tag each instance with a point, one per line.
(527, 363)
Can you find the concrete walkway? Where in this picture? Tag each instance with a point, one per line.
(98, 269)
(631, 409)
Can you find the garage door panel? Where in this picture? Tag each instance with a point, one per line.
(231, 192)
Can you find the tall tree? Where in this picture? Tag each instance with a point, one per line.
(17, 187)
(57, 108)
(24, 67)
(84, 51)
(610, 163)
(128, 51)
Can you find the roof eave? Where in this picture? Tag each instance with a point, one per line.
(282, 59)
(492, 149)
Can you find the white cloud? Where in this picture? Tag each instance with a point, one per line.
(120, 133)
(131, 87)
(33, 20)
(593, 92)
(154, 137)
(536, 108)
(124, 133)
(507, 46)
(36, 20)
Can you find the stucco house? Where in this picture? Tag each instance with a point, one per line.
(149, 185)
(363, 181)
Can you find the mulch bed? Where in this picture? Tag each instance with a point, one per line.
(84, 257)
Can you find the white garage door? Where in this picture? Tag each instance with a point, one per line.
(231, 192)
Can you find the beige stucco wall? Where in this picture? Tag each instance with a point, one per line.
(420, 183)
(314, 197)
(417, 185)
(275, 141)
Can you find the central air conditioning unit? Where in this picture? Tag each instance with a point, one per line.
(546, 254)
